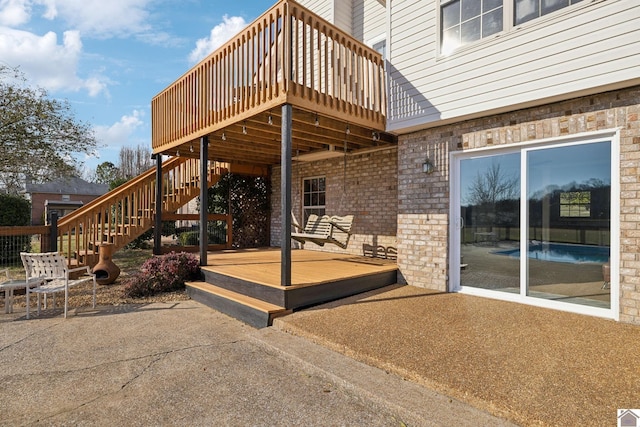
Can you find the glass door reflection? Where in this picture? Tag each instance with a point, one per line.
(490, 221)
(569, 219)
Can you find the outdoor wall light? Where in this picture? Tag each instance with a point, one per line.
(270, 120)
(428, 166)
(224, 137)
(317, 123)
(244, 128)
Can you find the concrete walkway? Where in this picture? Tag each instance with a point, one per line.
(185, 364)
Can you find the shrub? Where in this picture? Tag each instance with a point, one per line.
(142, 241)
(14, 211)
(164, 273)
(192, 238)
(189, 238)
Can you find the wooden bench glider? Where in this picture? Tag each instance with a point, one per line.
(325, 229)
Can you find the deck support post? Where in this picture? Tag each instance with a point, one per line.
(285, 192)
(204, 211)
(157, 225)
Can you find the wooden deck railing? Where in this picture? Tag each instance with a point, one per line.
(287, 55)
(128, 211)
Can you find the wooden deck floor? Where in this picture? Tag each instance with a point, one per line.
(308, 268)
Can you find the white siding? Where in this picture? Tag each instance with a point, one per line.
(337, 12)
(369, 19)
(342, 15)
(579, 50)
(322, 8)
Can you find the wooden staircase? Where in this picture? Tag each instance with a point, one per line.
(125, 213)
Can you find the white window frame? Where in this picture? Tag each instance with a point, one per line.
(377, 40)
(313, 207)
(455, 222)
(513, 15)
(505, 23)
(508, 21)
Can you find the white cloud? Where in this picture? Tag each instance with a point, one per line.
(46, 62)
(120, 133)
(14, 12)
(51, 11)
(93, 18)
(229, 27)
(99, 18)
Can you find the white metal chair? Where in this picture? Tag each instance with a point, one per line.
(51, 271)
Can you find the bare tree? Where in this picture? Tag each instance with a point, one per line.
(492, 186)
(134, 161)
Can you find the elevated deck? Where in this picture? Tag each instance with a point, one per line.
(334, 84)
(246, 283)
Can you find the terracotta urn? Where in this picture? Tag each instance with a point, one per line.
(105, 270)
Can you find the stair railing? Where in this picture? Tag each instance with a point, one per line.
(125, 213)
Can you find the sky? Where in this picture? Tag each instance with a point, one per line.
(108, 58)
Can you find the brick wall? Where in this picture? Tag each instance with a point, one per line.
(423, 200)
(366, 188)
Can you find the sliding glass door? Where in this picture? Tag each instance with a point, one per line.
(490, 221)
(535, 223)
(569, 223)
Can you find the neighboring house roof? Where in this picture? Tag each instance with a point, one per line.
(68, 186)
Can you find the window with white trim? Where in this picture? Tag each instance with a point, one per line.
(466, 21)
(313, 197)
(526, 10)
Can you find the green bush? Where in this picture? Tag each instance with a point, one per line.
(14, 211)
(192, 238)
(142, 241)
(189, 238)
(164, 273)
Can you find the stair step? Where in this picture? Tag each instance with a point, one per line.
(252, 311)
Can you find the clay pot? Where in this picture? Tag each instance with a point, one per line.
(105, 270)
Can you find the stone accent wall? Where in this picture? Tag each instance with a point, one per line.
(366, 188)
(423, 200)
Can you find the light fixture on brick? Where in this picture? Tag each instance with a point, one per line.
(428, 167)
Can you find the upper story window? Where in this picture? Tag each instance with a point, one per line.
(465, 21)
(526, 10)
(381, 47)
